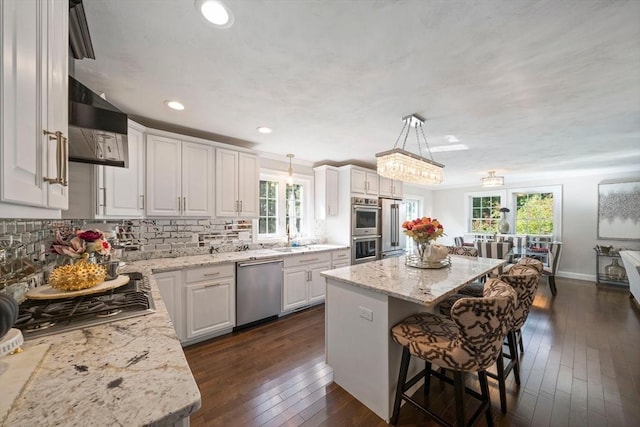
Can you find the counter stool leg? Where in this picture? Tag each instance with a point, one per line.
(501, 382)
(427, 378)
(458, 383)
(484, 390)
(402, 379)
(513, 352)
(519, 333)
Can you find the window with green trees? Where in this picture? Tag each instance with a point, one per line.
(485, 214)
(534, 213)
(268, 220)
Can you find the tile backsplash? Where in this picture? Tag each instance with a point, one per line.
(24, 243)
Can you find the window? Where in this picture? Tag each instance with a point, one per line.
(534, 213)
(279, 202)
(413, 210)
(485, 213)
(268, 221)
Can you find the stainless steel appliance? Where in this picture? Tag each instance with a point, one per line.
(365, 248)
(258, 291)
(37, 318)
(393, 240)
(364, 216)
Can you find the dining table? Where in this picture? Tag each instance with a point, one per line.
(364, 301)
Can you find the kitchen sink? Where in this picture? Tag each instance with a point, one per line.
(292, 249)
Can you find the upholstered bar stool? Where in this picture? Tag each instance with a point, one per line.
(524, 280)
(470, 341)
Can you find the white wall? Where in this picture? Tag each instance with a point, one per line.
(579, 218)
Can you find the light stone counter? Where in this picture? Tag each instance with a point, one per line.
(130, 372)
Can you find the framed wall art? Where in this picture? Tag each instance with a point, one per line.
(619, 211)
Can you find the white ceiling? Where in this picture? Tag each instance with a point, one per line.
(536, 89)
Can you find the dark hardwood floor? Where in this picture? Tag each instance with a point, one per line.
(581, 367)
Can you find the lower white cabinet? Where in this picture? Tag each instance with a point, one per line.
(201, 301)
(341, 258)
(210, 307)
(170, 286)
(302, 284)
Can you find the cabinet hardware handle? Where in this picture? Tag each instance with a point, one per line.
(211, 274)
(142, 199)
(104, 197)
(179, 205)
(211, 284)
(237, 206)
(65, 161)
(240, 205)
(308, 260)
(59, 179)
(184, 204)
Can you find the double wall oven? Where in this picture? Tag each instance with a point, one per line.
(365, 234)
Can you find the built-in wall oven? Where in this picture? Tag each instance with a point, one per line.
(364, 216)
(365, 248)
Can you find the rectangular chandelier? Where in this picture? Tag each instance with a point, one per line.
(408, 167)
(402, 165)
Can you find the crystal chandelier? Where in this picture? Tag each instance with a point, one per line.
(492, 180)
(409, 167)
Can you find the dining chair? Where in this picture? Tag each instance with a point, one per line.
(458, 241)
(470, 340)
(497, 250)
(555, 249)
(462, 251)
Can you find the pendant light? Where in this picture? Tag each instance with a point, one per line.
(290, 170)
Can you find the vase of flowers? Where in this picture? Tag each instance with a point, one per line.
(424, 232)
(79, 251)
(503, 225)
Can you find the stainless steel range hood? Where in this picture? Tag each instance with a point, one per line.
(97, 129)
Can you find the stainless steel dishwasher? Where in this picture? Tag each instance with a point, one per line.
(258, 291)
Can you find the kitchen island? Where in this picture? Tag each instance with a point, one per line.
(364, 301)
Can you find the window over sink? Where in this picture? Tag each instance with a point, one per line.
(282, 204)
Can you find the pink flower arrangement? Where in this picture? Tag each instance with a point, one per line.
(80, 242)
(423, 230)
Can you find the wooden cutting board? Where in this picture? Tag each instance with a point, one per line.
(47, 292)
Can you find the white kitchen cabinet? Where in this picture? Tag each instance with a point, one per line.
(326, 191)
(364, 182)
(237, 184)
(210, 300)
(34, 103)
(302, 284)
(341, 258)
(179, 178)
(120, 191)
(390, 187)
(170, 286)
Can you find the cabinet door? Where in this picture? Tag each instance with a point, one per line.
(294, 288)
(372, 183)
(397, 189)
(248, 185)
(164, 162)
(170, 287)
(358, 181)
(210, 307)
(57, 94)
(317, 284)
(226, 183)
(332, 192)
(197, 177)
(34, 99)
(386, 187)
(122, 191)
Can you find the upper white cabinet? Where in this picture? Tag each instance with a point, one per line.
(364, 182)
(237, 184)
(179, 178)
(390, 187)
(326, 188)
(34, 112)
(121, 190)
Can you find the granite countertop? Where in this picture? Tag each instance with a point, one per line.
(129, 372)
(392, 277)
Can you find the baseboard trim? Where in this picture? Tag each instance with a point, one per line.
(577, 276)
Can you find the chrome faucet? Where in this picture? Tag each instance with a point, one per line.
(288, 235)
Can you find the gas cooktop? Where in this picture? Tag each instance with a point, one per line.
(38, 318)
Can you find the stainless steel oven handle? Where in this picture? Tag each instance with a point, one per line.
(267, 261)
(356, 238)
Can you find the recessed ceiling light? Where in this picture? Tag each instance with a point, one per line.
(216, 12)
(264, 129)
(174, 105)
